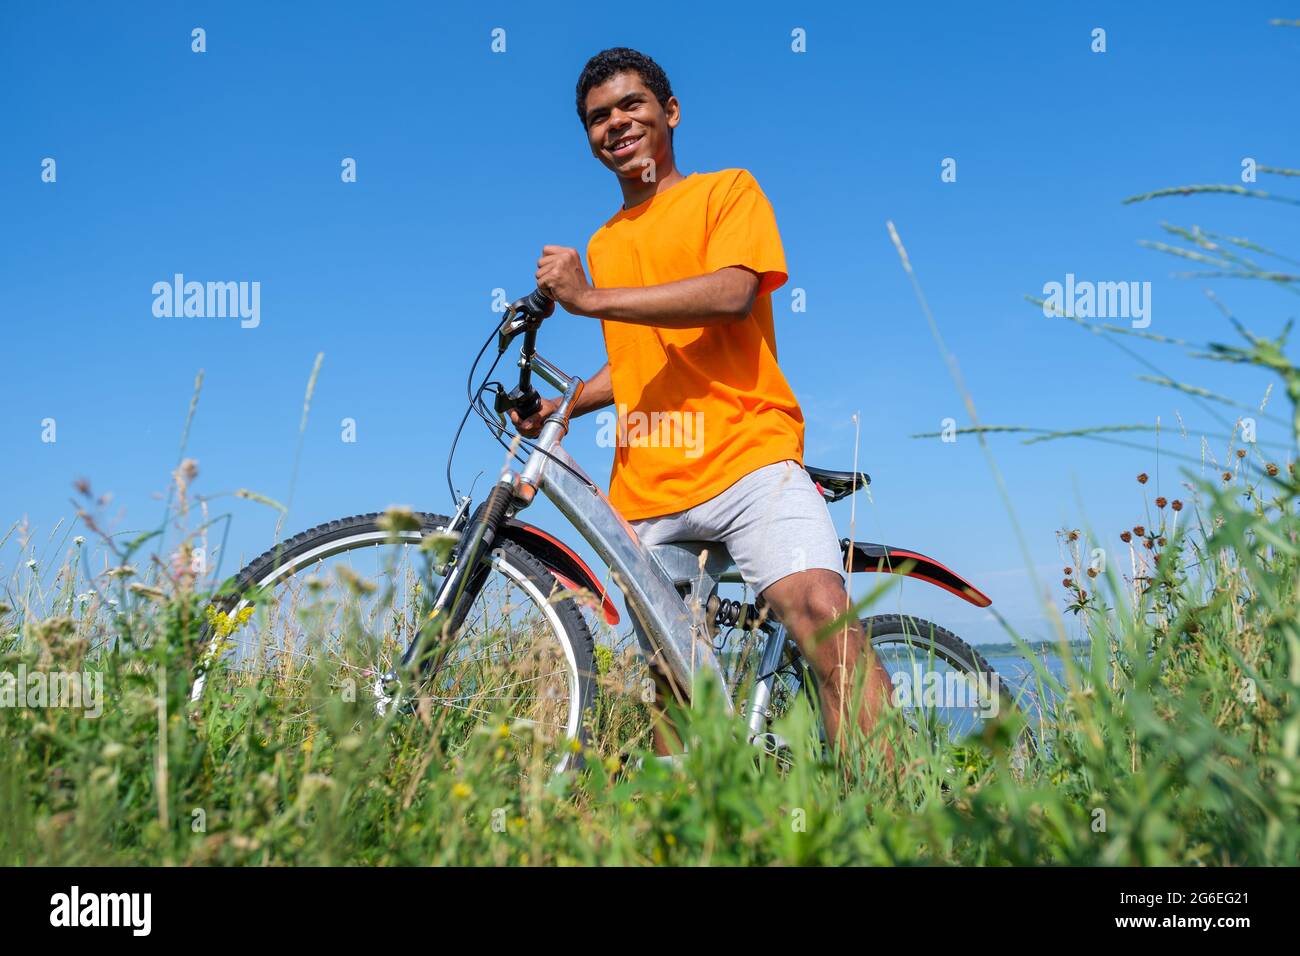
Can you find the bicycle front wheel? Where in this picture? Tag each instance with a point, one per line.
(329, 611)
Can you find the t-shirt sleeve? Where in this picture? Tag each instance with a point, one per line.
(744, 233)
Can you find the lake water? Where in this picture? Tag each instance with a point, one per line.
(932, 691)
(1019, 671)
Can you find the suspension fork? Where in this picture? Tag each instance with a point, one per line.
(463, 582)
(468, 572)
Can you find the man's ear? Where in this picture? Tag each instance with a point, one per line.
(673, 110)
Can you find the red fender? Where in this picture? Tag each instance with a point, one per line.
(881, 557)
(561, 560)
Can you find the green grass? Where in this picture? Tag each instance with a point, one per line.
(1177, 745)
(1175, 739)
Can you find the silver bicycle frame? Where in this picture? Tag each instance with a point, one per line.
(677, 630)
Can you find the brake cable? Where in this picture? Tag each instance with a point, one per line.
(469, 393)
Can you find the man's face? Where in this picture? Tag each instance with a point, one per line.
(627, 127)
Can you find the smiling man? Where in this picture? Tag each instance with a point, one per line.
(681, 280)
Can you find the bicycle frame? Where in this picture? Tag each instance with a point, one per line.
(671, 625)
(666, 588)
(669, 589)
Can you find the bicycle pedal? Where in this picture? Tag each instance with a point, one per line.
(388, 696)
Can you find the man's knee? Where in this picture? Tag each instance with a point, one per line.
(808, 600)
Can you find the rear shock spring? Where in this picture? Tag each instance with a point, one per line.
(738, 614)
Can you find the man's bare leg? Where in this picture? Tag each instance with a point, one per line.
(807, 602)
(666, 740)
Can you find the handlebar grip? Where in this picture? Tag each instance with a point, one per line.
(537, 305)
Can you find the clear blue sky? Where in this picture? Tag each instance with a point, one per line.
(225, 166)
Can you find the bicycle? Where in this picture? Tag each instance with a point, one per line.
(444, 651)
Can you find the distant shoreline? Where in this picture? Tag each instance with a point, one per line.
(1008, 649)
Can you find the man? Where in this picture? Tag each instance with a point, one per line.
(682, 278)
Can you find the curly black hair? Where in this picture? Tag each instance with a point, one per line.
(621, 59)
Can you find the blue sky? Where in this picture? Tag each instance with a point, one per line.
(225, 165)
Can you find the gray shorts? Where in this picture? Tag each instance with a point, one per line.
(773, 523)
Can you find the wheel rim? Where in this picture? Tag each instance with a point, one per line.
(271, 645)
(939, 693)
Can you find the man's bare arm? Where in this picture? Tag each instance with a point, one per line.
(722, 296)
(597, 392)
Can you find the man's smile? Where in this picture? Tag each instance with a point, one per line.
(625, 145)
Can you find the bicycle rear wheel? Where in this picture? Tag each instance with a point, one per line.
(944, 687)
(330, 610)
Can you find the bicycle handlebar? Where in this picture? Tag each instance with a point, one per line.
(524, 315)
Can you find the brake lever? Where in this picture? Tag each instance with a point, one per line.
(534, 307)
(511, 326)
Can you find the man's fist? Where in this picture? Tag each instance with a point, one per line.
(561, 276)
(532, 425)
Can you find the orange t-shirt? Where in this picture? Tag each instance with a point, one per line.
(697, 409)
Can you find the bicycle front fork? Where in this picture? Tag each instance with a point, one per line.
(465, 577)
